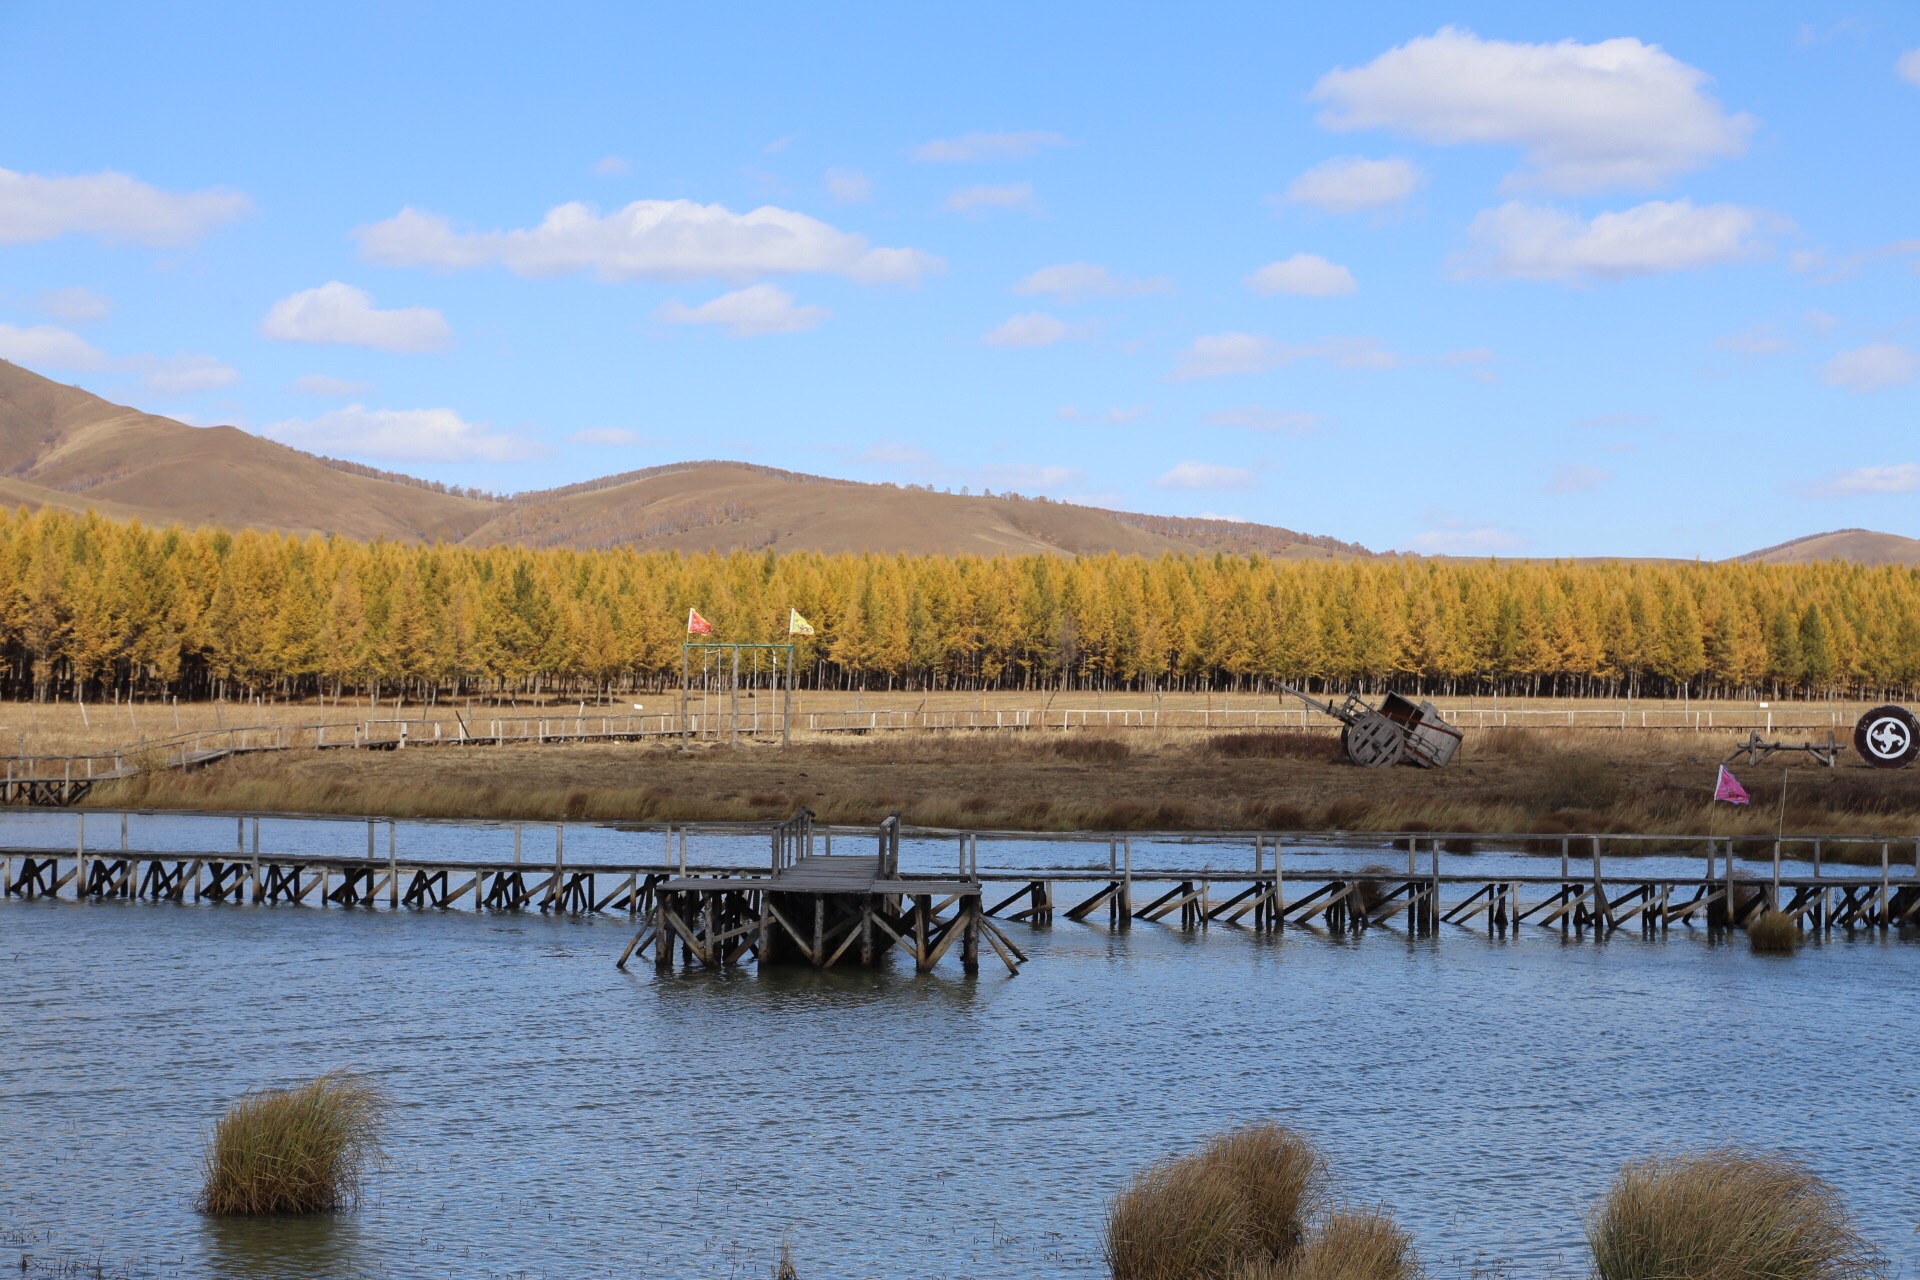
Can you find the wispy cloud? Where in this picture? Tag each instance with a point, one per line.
(1304, 275)
(1578, 478)
(1463, 538)
(752, 312)
(1010, 195)
(113, 207)
(46, 346)
(987, 146)
(1194, 476)
(849, 186)
(1864, 481)
(1033, 329)
(1355, 184)
(647, 240)
(1079, 281)
(1532, 242)
(1253, 417)
(401, 435)
(1219, 355)
(1874, 367)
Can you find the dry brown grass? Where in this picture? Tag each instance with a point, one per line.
(1242, 1200)
(1053, 781)
(300, 1150)
(1352, 1244)
(1725, 1214)
(1772, 932)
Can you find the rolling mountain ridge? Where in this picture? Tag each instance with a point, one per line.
(64, 447)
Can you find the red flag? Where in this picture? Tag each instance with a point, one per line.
(697, 625)
(1727, 787)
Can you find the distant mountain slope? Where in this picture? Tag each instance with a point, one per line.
(62, 446)
(737, 506)
(88, 451)
(1862, 546)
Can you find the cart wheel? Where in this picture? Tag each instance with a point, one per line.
(1887, 737)
(1373, 741)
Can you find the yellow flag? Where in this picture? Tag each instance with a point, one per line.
(797, 625)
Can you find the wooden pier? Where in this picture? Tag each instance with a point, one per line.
(804, 902)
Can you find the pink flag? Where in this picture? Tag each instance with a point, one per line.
(1728, 788)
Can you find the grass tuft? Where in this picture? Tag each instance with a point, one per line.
(1356, 1244)
(1725, 1214)
(299, 1150)
(1241, 1201)
(1772, 933)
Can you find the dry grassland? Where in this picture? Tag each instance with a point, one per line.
(67, 728)
(1540, 781)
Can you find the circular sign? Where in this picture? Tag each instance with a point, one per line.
(1887, 737)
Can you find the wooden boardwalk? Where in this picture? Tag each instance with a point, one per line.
(804, 902)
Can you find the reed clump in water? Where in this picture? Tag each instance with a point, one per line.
(1243, 1200)
(299, 1150)
(1772, 933)
(1725, 1214)
(1350, 1244)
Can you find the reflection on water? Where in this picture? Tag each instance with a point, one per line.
(556, 1117)
(317, 1247)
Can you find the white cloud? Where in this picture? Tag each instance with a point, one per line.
(1115, 415)
(1874, 367)
(1219, 355)
(986, 146)
(1866, 481)
(1457, 538)
(400, 435)
(75, 306)
(341, 314)
(1821, 321)
(1029, 476)
(181, 374)
(752, 312)
(849, 186)
(1305, 275)
(1011, 195)
(1907, 66)
(1469, 355)
(1078, 281)
(1032, 329)
(46, 346)
(647, 240)
(1253, 417)
(1577, 478)
(1587, 117)
(611, 167)
(116, 208)
(1531, 242)
(1353, 184)
(609, 437)
(1755, 340)
(1198, 476)
(778, 145)
(320, 384)
(891, 453)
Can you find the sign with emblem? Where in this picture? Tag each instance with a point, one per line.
(1887, 737)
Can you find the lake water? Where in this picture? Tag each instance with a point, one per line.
(556, 1117)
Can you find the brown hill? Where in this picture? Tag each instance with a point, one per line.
(730, 506)
(67, 447)
(1862, 546)
(62, 446)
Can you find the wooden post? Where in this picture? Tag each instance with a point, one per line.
(683, 721)
(79, 859)
(1126, 883)
(1886, 889)
(786, 700)
(393, 864)
(1279, 889)
(733, 702)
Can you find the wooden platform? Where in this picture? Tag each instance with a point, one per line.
(802, 904)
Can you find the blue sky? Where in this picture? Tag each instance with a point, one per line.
(1509, 279)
